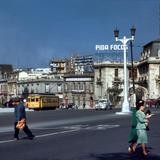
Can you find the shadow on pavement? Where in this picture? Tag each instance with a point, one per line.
(123, 156)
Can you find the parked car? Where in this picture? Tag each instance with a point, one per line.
(157, 105)
(150, 102)
(153, 103)
(103, 104)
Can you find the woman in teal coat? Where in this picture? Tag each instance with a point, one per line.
(132, 139)
(142, 122)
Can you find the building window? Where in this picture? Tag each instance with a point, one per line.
(73, 100)
(78, 100)
(81, 86)
(65, 87)
(149, 52)
(116, 72)
(47, 88)
(158, 52)
(68, 87)
(76, 86)
(59, 88)
(84, 86)
(91, 87)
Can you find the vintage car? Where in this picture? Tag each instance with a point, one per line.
(103, 104)
(152, 102)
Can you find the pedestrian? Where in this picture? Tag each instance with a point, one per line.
(142, 122)
(132, 139)
(20, 115)
(84, 105)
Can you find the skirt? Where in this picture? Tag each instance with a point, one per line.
(142, 136)
(132, 136)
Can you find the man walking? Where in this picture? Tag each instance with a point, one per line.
(20, 114)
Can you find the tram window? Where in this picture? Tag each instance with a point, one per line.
(32, 99)
(37, 99)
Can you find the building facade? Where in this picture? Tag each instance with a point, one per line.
(22, 83)
(109, 81)
(51, 86)
(149, 71)
(5, 73)
(79, 83)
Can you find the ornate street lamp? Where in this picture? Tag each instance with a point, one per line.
(133, 31)
(125, 105)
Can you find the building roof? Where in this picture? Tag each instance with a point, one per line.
(6, 68)
(154, 41)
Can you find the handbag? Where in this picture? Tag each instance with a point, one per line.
(21, 124)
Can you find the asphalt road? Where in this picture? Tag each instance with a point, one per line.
(75, 135)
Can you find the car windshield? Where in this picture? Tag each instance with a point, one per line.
(103, 101)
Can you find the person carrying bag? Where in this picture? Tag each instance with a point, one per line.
(20, 119)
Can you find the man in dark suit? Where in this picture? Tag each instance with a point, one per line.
(20, 114)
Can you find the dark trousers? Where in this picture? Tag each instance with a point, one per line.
(25, 129)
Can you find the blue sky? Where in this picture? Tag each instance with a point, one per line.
(34, 31)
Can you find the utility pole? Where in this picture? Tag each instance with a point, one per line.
(133, 82)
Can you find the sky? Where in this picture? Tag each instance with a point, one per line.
(32, 32)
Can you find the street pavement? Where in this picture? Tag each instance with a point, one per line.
(7, 110)
(76, 135)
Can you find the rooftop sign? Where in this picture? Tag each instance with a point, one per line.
(106, 47)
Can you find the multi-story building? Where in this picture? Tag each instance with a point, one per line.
(58, 66)
(34, 81)
(5, 72)
(79, 83)
(83, 64)
(52, 86)
(108, 82)
(149, 70)
(79, 89)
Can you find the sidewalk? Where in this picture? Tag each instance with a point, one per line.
(6, 110)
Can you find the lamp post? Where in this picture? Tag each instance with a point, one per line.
(125, 105)
(133, 30)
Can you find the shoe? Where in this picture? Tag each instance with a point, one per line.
(31, 137)
(130, 149)
(145, 154)
(16, 138)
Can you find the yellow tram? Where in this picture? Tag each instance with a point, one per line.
(42, 101)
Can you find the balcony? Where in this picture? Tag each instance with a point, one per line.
(117, 80)
(99, 82)
(78, 91)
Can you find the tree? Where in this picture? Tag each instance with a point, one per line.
(114, 93)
